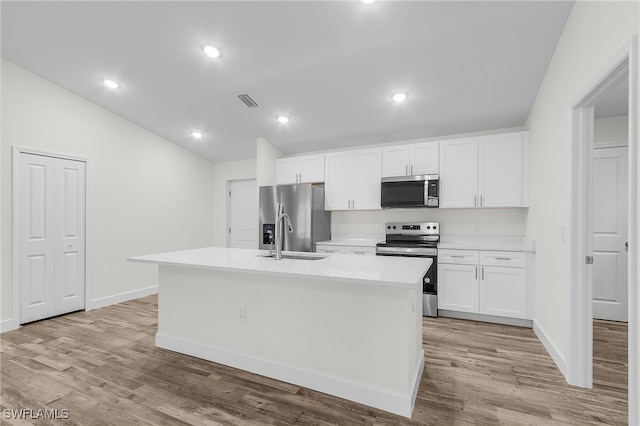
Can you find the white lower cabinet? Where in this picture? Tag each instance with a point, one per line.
(485, 282)
(503, 291)
(458, 287)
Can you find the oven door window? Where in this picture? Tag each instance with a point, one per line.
(399, 194)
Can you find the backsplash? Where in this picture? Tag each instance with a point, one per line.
(511, 221)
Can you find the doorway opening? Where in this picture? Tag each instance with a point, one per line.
(579, 363)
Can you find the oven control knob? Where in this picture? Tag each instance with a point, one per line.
(394, 227)
(434, 227)
(427, 280)
(428, 227)
(388, 227)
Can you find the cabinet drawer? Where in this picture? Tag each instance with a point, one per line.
(514, 259)
(321, 248)
(359, 250)
(459, 257)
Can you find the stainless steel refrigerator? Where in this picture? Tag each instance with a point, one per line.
(304, 203)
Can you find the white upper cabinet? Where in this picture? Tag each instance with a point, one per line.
(308, 168)
(459, 173)
(489, 171)
(395, 161)
(424, 158)
(501, 174)
(353, 180)
(408, 160)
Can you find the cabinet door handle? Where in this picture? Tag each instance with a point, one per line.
(483, 272)
(457, 256)
(411, 168)
(502, 258)
(481, 200)
(475, 201)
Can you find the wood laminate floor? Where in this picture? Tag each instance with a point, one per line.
(102, 366)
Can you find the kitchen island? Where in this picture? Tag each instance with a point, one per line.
(349, 326)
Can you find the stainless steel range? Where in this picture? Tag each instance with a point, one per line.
(416, 240)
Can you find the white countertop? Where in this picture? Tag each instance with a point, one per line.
(506, 243)
(357, 240)
(392, 271)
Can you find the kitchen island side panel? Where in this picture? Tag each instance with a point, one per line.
(352, 340)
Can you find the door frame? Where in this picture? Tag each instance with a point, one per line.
(16, 201)
(579, 361)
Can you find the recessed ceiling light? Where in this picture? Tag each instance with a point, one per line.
(399, 97)
(111, 84)
(367, 1)
(196, 134)
(211, 51)
(283, 119)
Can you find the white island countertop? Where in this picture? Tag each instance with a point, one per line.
(391, 271)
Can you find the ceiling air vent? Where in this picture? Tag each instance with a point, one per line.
(246, 99)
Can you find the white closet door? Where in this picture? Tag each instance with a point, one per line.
(37, 237)
(52, 236)
(70, 219)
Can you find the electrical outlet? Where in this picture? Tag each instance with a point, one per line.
(242, 313)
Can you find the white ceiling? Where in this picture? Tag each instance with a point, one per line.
(330, 65)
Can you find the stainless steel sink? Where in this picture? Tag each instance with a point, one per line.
(295, 256)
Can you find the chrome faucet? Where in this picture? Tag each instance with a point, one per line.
(281, 216)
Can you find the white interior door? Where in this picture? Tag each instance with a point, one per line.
(52, 236)
(37, 238)
(243, 219)
(70, 217)
(610, 234)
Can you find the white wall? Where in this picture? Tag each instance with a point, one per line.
(594, 32)
(452, 221)
(222, 174)
(611, 129)
(266, 155)
(147, 195)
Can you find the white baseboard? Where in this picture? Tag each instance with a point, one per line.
(557, 357)
(485, 318)
(382, 399)
(8, 325)
(122, 297)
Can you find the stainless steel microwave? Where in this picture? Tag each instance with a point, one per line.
(410, 191)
